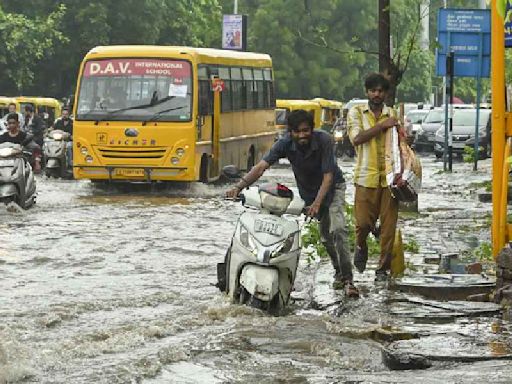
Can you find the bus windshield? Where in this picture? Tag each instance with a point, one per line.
(137, 89)
(281, 116)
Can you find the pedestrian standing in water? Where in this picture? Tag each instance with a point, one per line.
(321, 185)
(367, 125)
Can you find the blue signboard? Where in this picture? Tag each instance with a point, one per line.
(466, 33)
(508, 26)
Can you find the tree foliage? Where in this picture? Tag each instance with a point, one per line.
(25, 42)
(319, 48)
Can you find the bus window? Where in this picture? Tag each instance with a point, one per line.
(281, 116)
(269, 101)
(205, 94)
(248, 87)
(226, 105)
(236, 88)
(258, 88)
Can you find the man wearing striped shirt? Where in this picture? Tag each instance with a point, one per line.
(367, 125)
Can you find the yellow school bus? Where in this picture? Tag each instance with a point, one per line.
(284, 107)
(331, 110)
(146, 113)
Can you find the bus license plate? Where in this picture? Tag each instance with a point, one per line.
(268, 227)
(130, 172)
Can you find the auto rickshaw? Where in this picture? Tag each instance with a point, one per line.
(331, 111)
(46, 107)
(284, 107)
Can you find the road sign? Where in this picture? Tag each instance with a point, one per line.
(508, 25)
(466, 33)
(217, 85)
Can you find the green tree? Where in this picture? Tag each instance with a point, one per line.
(109, 22)
(25, 42)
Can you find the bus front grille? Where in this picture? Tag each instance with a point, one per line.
(132, 153)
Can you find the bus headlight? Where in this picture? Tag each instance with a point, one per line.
(88, 159)
(83, 150)
(175, 160)
(180, 152)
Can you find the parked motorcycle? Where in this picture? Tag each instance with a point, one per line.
(17, 183)
(261, 263)
(56, 155)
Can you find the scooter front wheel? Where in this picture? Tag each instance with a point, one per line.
(272, 307)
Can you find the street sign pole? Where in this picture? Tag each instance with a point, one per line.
(447, 153)
(450, 117)
(478, 81)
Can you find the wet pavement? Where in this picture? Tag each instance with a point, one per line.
(117, 287)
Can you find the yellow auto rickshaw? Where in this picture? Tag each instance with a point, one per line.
(284, 107)
(331, 111)
(46, 107)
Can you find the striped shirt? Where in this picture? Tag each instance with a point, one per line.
(369, 171)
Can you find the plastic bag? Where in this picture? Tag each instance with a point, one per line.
(397, 255)
(403, 168)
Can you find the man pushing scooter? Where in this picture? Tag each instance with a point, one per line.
(321, 185)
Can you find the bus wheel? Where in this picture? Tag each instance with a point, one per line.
(250, 159)
(203, 170)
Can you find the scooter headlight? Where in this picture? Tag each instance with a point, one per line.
(338, 135)
(247, 240)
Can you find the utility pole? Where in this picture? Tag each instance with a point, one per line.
(384, 33)
(385, 60)
(444, 77)
(235, 7)
(425, 24)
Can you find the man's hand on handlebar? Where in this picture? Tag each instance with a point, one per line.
(313, 210)
(233, 193)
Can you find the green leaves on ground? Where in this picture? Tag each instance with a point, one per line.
(312, 245)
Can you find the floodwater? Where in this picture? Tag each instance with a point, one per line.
(117, 287)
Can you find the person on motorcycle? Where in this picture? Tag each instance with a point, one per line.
(17, 136)
(321, 185)
(65, 123)
(34, 125)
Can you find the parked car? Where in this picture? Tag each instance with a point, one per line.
(413, 120)
(463, 133)
(425, 135)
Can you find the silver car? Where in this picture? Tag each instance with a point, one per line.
(463, 132)
(426, 133)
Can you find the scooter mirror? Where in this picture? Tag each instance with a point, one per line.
(231, 172)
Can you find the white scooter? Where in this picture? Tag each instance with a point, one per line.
(17, 183)
(55, 154)
(261, 262)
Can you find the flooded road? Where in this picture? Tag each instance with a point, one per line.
(117, 287)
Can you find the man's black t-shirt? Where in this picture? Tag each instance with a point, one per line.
(66, 126)
(309, 166)
(18, 139)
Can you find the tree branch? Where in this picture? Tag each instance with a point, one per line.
(326, 45)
